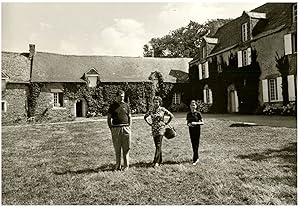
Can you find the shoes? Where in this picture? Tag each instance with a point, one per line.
(195, 163)
(155, 165)
(126, 168)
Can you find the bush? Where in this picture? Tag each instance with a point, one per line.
(274, 109)
(203, 107)
(179, 107)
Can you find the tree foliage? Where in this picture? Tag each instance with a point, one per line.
(184, 41)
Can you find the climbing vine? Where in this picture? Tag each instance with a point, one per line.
(34, 92)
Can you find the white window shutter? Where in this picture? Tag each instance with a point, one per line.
(265, 90)
(206, 70)
(210, 96)
(288, 44)
(279, 88)
(291, 88)
(248, 56)
(204, 96)
(240, 59)
(200, 71)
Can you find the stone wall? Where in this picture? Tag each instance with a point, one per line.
(15, 97)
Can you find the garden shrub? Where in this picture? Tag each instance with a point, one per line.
(179, 107)
(274, 109)
(203, 107)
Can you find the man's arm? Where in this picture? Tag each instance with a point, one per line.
(130, 119)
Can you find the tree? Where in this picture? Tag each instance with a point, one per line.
(184, 41)
(282, 64)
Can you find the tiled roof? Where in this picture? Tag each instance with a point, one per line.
(49, 67)
(15, 66)
(278, 15)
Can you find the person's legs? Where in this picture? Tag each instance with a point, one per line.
(116, 138)
(126, 137)
(158, 151)
(195, 137)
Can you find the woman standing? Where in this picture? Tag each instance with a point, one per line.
(158, 124)
(194, 120)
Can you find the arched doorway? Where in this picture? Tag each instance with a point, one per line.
(233, 100)
(80, 108)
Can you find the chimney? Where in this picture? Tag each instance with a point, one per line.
(31, 51)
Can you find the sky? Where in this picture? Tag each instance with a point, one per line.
(103, 28)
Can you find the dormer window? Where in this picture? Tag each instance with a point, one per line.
(294, 13)
(245, 32)
(92, 76)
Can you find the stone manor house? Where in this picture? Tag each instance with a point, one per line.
(249, 62)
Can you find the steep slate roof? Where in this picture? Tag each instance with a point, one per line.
(16, 66)
(49, 67)
(278, 15)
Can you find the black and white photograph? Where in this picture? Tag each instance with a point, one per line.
(149, 103)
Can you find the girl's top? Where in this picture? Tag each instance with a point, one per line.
(157, 116)
(194, 117)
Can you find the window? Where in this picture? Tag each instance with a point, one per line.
(219, 68)
(4, 106)
(245, 32)
(58, 99)
(244, 57)
(207, 95)
(203, 71)
(290, 43)
(176, 98)
(294, 13)
(273, 90)
(92, 80)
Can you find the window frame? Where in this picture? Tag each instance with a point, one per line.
(176, 99)
(57, 99)
(294, 13)
(89, 81)
(272, 88)
(245, 32)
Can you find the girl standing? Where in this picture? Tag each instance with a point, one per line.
(158, 124)
(194, 120)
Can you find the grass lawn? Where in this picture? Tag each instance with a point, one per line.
(72, 163)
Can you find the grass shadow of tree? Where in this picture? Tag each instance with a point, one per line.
(288, 154)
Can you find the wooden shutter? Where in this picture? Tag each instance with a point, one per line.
(265, 90)
(288, 44)
(240, 59)
(206, 70)
(248, 56)
(291, 88)
(204, 96)
(210, 96)
(200, 71)
(279, 88)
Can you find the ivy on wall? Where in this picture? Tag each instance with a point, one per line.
(34, 93)
(98, 98)
(245, 80)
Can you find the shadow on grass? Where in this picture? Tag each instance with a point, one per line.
(110, 167)
(288, 154)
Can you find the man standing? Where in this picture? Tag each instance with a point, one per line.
(119, 121)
